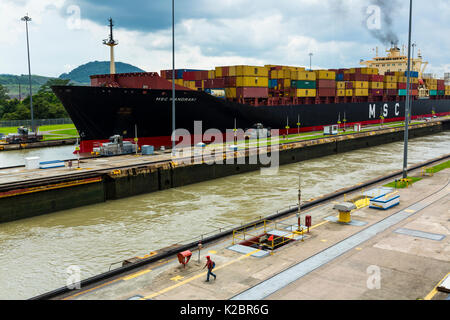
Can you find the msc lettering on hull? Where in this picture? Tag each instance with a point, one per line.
(384, 110)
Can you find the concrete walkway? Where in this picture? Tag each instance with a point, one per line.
(335, 261)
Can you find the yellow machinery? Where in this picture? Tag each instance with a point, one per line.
(345, 210)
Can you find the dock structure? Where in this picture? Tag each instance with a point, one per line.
(399, 253)
(27, 193)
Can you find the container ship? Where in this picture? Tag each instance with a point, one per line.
(287, 98)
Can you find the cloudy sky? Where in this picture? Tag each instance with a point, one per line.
(67, 33)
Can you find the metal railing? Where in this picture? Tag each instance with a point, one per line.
(37, 122)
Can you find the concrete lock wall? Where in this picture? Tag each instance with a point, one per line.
(34, 204)
(141, 180)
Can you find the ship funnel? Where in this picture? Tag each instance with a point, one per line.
(111, 43)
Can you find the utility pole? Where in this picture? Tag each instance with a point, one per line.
(173, 77)
(407, 102)
(28, 19)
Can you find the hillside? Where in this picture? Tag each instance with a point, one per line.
(81, 74)
(11, 82)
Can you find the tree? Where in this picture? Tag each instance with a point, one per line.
(3, 94)
(46, 87)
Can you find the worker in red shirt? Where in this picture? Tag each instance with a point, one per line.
(210, 264)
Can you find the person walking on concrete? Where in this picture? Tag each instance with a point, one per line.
(210, 264)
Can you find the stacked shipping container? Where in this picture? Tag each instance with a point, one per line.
(273, 81)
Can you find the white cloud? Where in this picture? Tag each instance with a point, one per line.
(281, 33)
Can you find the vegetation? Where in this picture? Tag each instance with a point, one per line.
(82, 73)
(45, 104)
(401, 185)
(441, 166)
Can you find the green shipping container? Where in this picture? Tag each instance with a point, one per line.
(402, 92)
(302, 84)
(441, 93)
(433, 92)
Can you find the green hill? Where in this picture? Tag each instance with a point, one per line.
(81, 74)
(11, 82)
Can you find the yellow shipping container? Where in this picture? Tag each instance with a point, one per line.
(447, 88)
(284, 74)
(432, 87)
(348, 92)
(252, 82)
(360, 84)
(252, 71)
(325, 75)
(399, 73)
(388, 79)
(376, 85)
(366, 71)
(340, 92)
(305, 93)
(189, 84)
(447, 92)
(361, 92)
(273, 74)
(431, 81)
(219, 73)
(230, 92)
(306, 75)
(232, 71)
(340, 84)
(211, 74)
(401, 79)
(390, 85)
(287, 83)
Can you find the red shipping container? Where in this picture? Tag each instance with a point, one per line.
(441, 83)
(204, 75)
(326, 92)
(414, 92)
(412, 86)
(356, 77)
(349, 85)
(441, 86)
(391, 73)
(230, 82)
(225, 71)
(247, 92)
(391, 92)
(376, 78)
(326, 84)
(189, 76)
(375, 92)
(218, 83)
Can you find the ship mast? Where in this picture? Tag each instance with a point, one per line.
(111, 43)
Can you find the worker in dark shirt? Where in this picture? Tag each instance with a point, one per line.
(210, 264)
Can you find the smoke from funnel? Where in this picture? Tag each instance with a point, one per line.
(379, 20)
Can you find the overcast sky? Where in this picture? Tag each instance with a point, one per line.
(67, 33)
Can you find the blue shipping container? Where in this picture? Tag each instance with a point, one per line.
(339, 77)
(413, 74)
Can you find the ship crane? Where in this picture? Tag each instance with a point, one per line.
(111, 43)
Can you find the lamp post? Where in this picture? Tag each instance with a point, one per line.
(310, 61)
(28, 19)
(407, 102)
(173, 77)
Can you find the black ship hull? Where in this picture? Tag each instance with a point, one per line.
(99, 113)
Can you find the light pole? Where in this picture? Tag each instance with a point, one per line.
(310, 61)
(28, 19)
(173, 76)
(407, 106)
